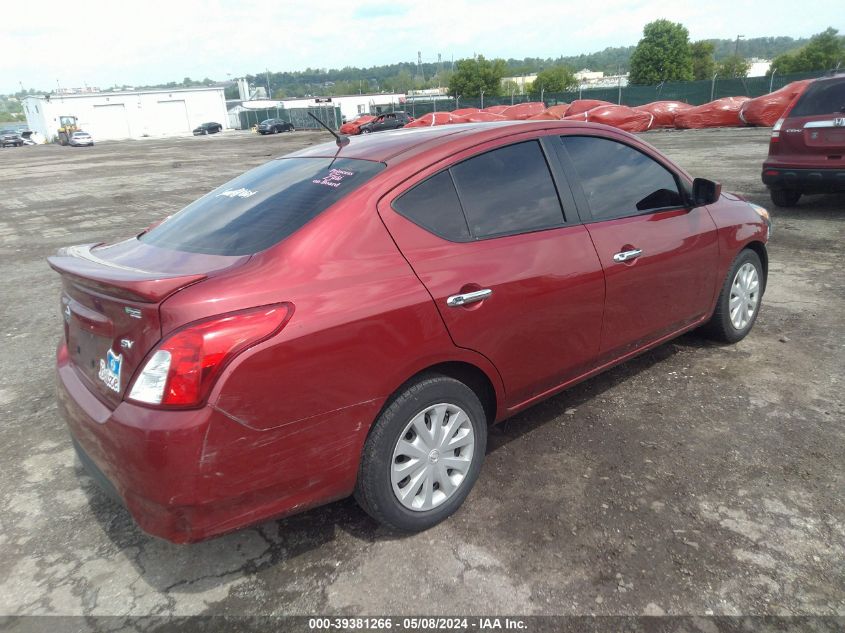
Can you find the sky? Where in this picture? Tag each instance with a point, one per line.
(103, 43)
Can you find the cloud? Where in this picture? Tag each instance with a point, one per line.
(379, 11)
(161, 40)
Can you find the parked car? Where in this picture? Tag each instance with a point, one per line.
(274, 126)
(80, 138)
(388, 121)
(807, 148)
(10, 138)
(350, 128)
(351, 319)
(208, 128)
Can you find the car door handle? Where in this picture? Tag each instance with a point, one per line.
(624, 256)
(456, 301)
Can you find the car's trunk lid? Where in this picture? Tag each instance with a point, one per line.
(110, 305)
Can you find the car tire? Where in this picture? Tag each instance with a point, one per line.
(431, 403)
(366, 130)
(785, 197)
(730, 326)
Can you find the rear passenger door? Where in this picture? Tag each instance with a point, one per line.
(659, 255)
(495, 239)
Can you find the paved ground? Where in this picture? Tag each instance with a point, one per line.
(695, 479)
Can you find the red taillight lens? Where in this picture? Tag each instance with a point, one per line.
(184, 367)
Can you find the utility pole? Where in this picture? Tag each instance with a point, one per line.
(736, 47)
(482, 99)
(713, 87)
(269, 94)
(772, 78)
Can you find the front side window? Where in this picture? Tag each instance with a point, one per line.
(508, 190)
(620, 181)
(261, 207)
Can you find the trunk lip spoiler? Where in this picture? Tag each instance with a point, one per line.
(86, 269)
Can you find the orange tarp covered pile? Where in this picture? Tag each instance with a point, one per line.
(664, 112)
(719, 113)
(766, 110)
(725, 112)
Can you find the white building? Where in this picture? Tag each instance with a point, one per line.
(585, 75)
(758, 67)
(135, 114)
(350, 106)
(522, 82)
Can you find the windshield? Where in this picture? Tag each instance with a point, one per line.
(261, 207)
(267, 122)
(821, 97)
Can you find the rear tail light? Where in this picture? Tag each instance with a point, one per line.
(776, 129)
(182, 370)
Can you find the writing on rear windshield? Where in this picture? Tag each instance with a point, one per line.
(238, 193)
(334, 178)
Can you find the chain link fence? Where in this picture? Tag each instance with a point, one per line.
(692, 92)
(297, 116)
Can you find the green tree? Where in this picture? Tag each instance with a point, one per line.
(510, 87)
(471, 76)
(279, 94)
(554, 79)
(703, 64)
(663, 54)
(403, 81)
(824, 51)
(734, 66)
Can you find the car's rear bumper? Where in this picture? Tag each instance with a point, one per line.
(804, 179)
(192, 474)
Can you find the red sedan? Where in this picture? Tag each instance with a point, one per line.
(351, 319)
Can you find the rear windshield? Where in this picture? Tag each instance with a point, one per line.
(821, 97)
(261, 207)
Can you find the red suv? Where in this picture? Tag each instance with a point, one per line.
(351, 319)
(807, 149)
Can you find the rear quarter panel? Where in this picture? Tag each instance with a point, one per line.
(301, 404)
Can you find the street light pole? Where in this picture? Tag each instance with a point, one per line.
(772, 78)
(736, 47)
(713, 86)
(482, 99)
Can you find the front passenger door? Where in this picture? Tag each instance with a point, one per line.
(659, 256)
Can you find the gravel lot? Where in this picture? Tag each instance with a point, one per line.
(695, 479)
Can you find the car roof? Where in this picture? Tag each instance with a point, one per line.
(395, 145)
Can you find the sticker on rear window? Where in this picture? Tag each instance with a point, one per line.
(110, 370)
(243, 192)
(334, 178)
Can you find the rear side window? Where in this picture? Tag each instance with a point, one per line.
(821, 97)
(261, 207)
(508, 190)
(433, 204)
(620, 181)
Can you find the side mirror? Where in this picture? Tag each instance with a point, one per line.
(705, 191)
